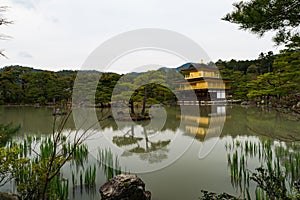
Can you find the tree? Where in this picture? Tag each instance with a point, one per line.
(253, 69)
(105, 87)
(155, 79)
(11, 84)
(151, 87)
(261, 16)
(282, 82)
(123, 91)
(265, 62)
(3, 21)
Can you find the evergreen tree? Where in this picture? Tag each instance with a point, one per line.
(261, 16)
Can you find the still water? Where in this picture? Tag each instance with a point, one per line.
(180, 152)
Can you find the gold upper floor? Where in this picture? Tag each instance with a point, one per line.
(204, 84)
(199, 76)
(203, 74)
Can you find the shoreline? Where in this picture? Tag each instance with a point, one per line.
(285, 110)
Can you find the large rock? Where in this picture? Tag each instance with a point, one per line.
(8, 196)
(124, 187)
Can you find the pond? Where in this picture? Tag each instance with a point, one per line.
(180, 152)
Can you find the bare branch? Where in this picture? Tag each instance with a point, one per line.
(2, 54)
(4, 21)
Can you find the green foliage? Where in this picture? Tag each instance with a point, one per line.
(10, 162)
(277, 78)
(25, 85)
(35, 163)
(271, 182)
(40, 176)
(276, 178)
(9, 156)
(260, 16)
(22, 85)
(32, 177)
(243, 72)
(109, 163)
(283, 83)
(6, 132)
(106, 86)
(151, 87)
(274, 78)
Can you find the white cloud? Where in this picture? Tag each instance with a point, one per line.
(60, 34)
(25, 54)
(26, 3)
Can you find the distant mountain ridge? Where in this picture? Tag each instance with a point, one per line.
(66, 72)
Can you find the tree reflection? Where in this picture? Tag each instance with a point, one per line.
(146, 148)
(127, 139)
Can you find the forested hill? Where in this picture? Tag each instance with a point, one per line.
(24, 85)
(273, 79)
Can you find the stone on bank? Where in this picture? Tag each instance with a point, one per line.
(124, 187)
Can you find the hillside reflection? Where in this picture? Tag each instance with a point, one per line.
(238, 121)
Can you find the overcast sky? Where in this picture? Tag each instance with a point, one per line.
(60, 34)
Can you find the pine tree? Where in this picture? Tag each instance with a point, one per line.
(261, 16)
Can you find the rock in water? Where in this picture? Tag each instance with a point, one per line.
(124, 187)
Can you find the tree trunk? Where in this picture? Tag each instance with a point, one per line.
(131, 107)
(146, 139)
(144, 101)
(132, 131)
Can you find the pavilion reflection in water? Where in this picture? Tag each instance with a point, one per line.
(152, 142)
(206, 125)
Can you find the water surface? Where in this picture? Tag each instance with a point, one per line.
(167, 150)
